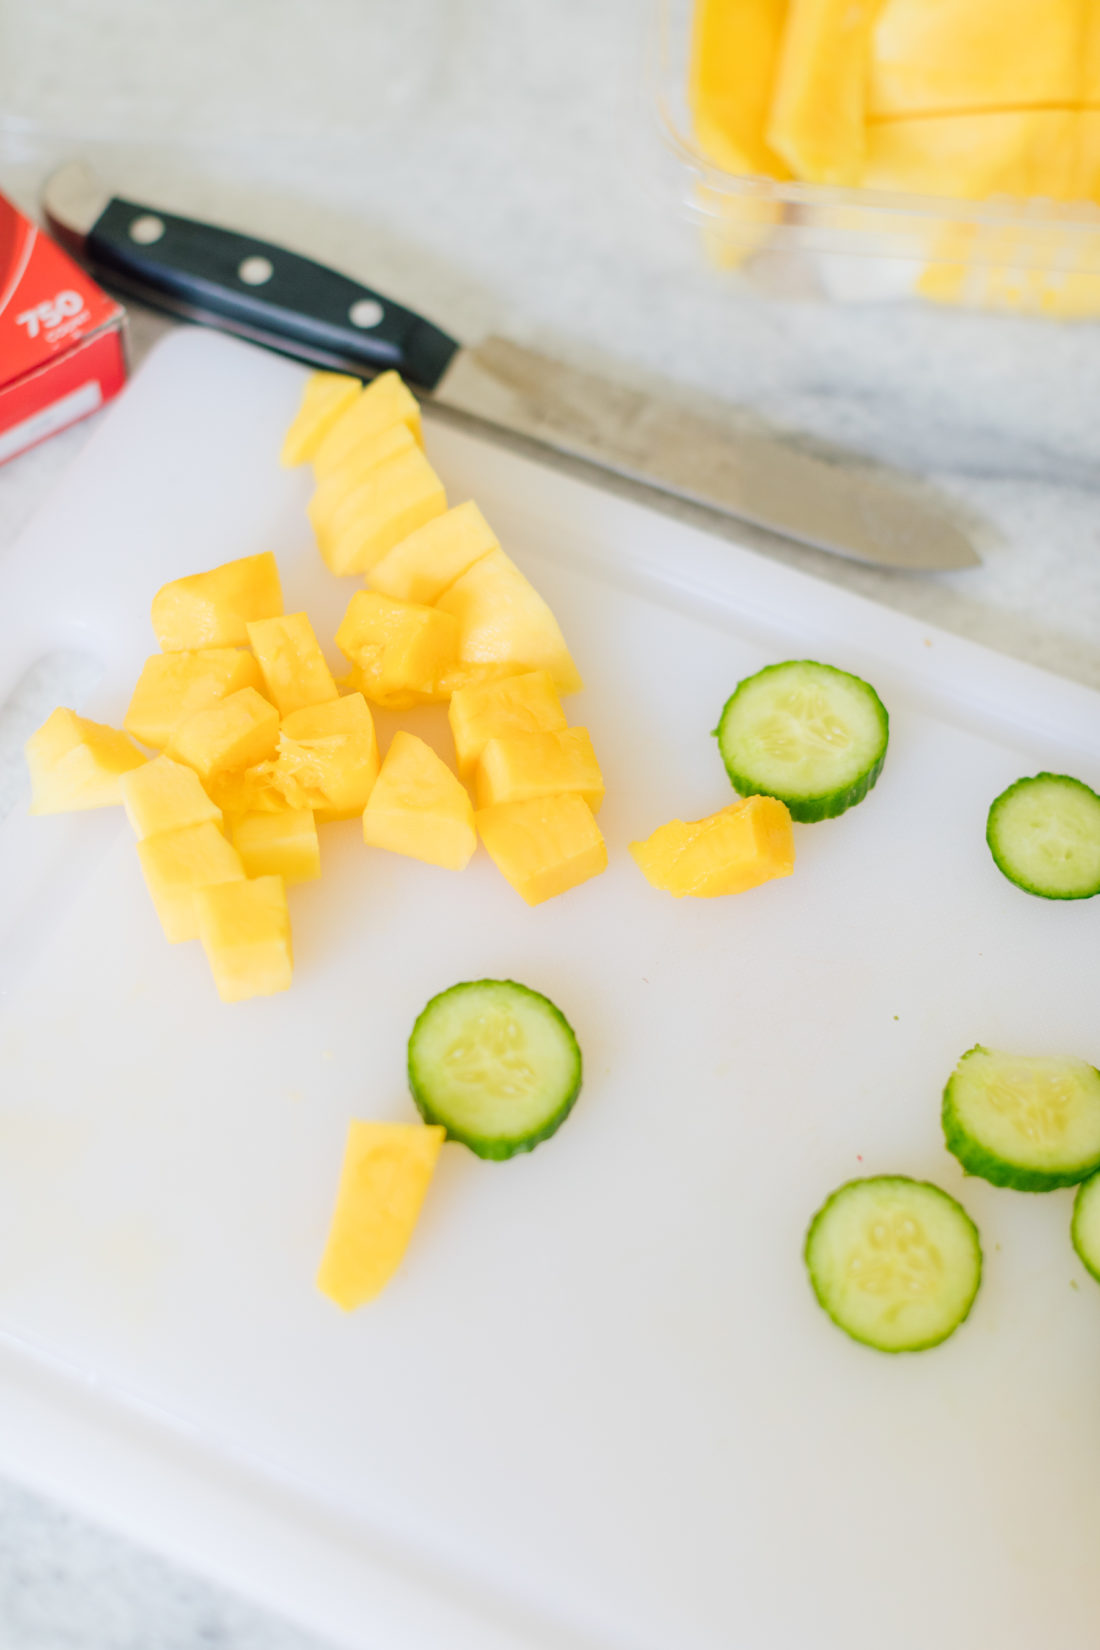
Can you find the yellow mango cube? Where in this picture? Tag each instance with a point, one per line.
(402, 652)
(338, 487)
(428, 562)
(420, 808)
(291, 662)
(176, 864)
(527, 703)
(543, 847)
(213, 609)
(279, 844)
(385, 1175)
(504, 623)
(245, 932)
(165, 796)
(173, 686)
(326, 397)
(818, 120)
(739, 847)
(522, 766)
(328, 758)
(392, 502)
(384, 402)
(75, 763)
(239, 730)
(247, 791)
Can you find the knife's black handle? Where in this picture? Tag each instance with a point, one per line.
(264, 292)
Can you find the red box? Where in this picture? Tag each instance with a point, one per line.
(62, 340)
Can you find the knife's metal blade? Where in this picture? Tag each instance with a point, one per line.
(843, 505)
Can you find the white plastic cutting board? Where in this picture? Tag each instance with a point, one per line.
(598, 1407)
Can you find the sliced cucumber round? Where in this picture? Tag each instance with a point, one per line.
(895, 1262)
(1085, 1225)
(497, 1064)
(1024, 1121)
(810, 735)
(1044, 835)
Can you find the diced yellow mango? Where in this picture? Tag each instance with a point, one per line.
(166, 796)
(75, 763)
(527, 703)
(402, 652)
(173, 686)
(279, 844)
(956, 56)
(328, 758)
(543, 847)
(819, 102)
(428, 562)
(384, 402)
(385, 1174)
(418, 807)
(213, 609)
(345, 480)
(734, 54)
(522, 766)
(177, 864)
(392, 502)
(504, 623)
(239, 730)
(741, 846)
(1024, 152)
(245, 932)
(291, 661)
(326, 397)
(247, 791)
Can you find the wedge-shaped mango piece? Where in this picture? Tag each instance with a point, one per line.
(384, 402)
(527, 703)
(734, 53)
(428, 562)
(505, 626)
(543, 847)
(402, 652)
(75, 763)
(386, 1171)
(819, 101)
(418, 807)
(173, 686)
(239, 730)
(291, 662)
(1022, 152)
(163, 795)
(522, 766)
(245, 932)
(348, 477)
(279, 844)
(213, 609)
(954, 56)
(326, 397)
(391, 503)
(739, 847)
(178, 863)
(328, 758)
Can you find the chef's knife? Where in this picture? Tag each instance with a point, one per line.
(291, 304)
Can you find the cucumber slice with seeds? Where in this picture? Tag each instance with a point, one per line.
(1044, 835)
(497, 1064)
(1085, 1226)
(1024, 1121)
(810, 735)
(895, 1262)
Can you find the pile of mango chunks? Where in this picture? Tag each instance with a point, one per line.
(258, 743)
(965, 98)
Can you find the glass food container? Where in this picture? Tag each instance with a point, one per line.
(1033, 256)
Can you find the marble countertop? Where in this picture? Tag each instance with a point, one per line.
(513, 183)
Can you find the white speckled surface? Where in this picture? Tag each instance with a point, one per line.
(507, 188)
